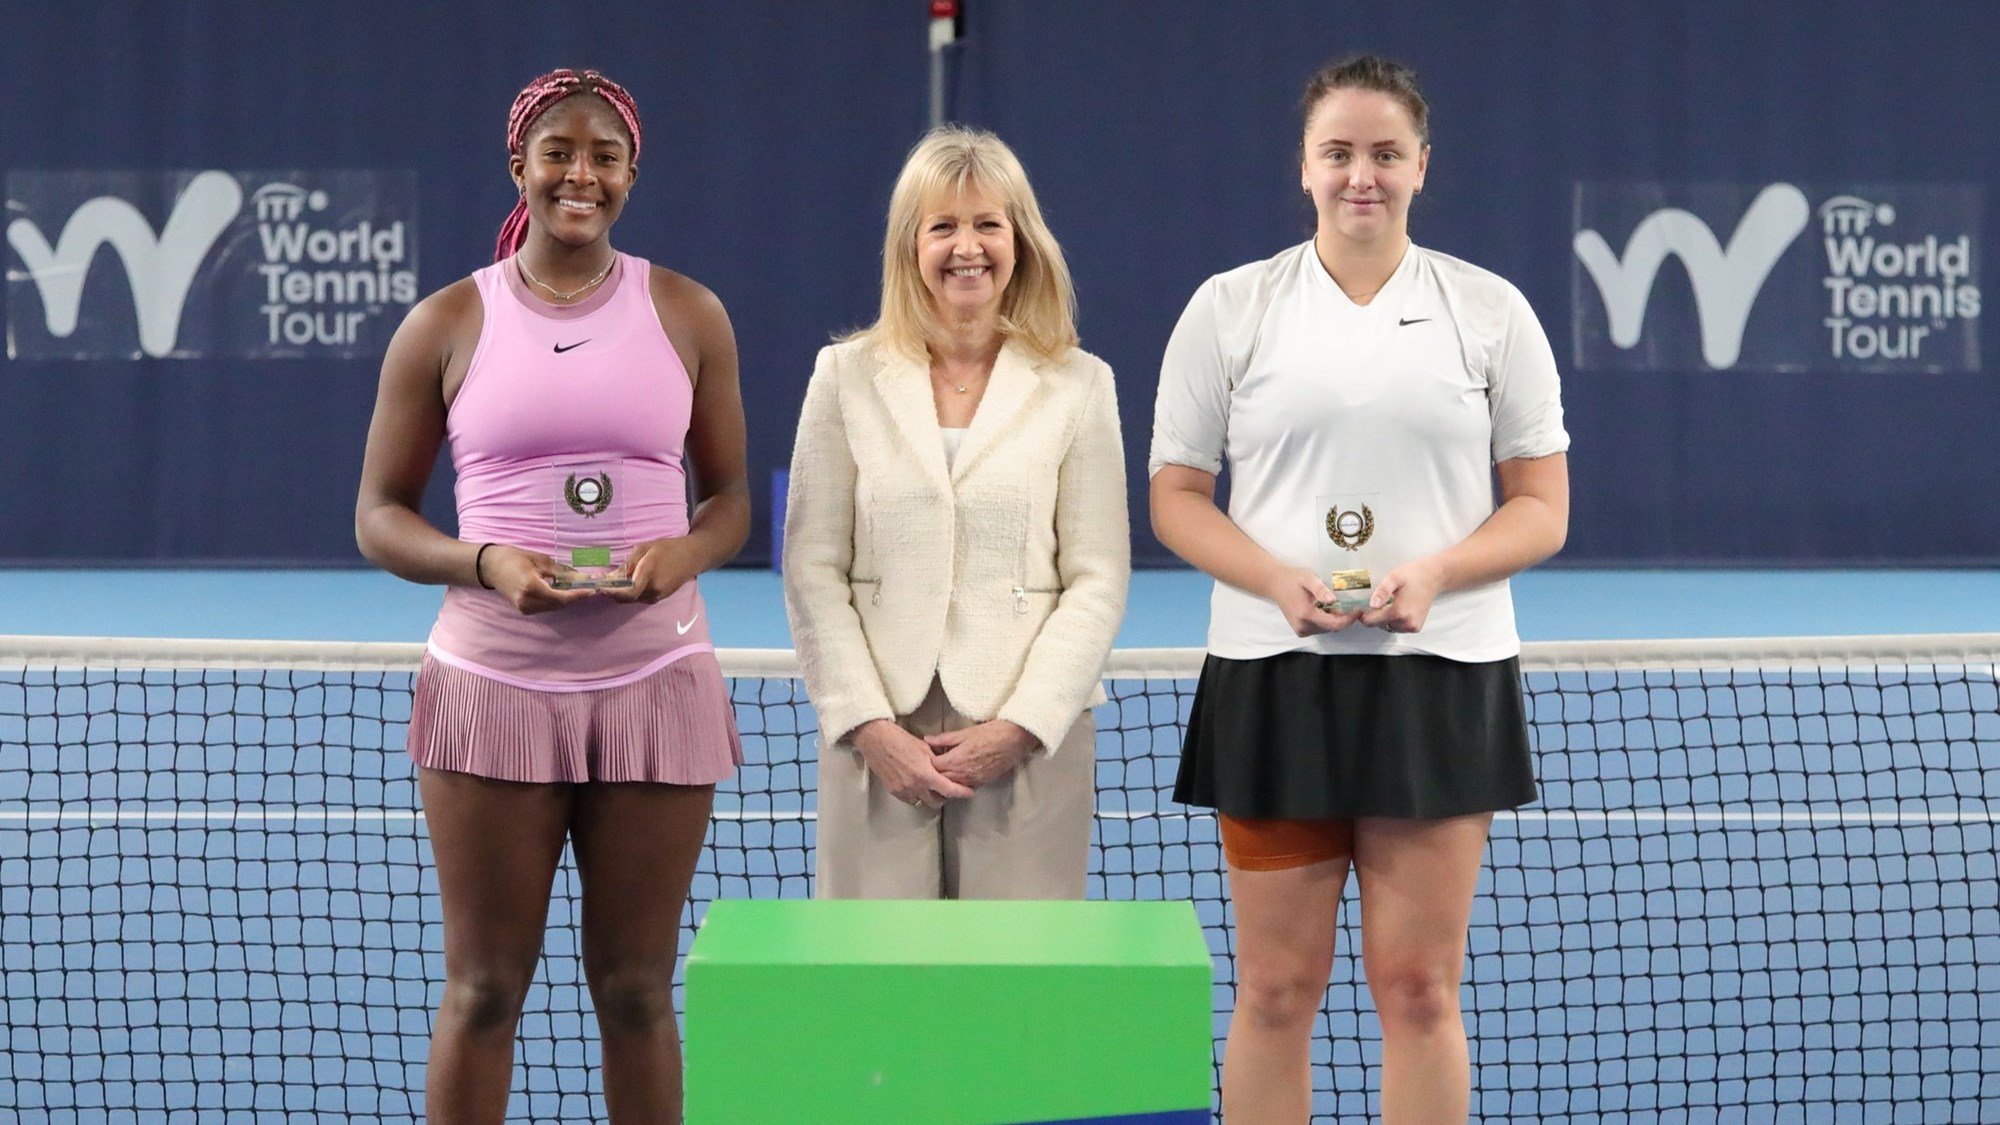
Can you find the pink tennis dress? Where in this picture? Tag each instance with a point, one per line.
(567, 435)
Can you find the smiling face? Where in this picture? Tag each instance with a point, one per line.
(965, 250)
(1363, 162)
(575, 169)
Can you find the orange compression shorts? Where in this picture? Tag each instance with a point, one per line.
(1275, 845)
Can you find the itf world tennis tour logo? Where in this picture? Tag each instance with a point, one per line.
(1873, 277)
(240, 264)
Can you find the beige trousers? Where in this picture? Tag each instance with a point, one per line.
(1023, 837)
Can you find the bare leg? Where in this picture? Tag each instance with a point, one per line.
(496, 845)
(1284, 955)
(1417, 880)
(636, 846)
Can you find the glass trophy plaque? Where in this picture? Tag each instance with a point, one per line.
(589, 521)
(1349, 554)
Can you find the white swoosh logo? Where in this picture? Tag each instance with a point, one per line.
(681, 629)
(1725, 282)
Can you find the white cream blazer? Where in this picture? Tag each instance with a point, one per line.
(1003, 575)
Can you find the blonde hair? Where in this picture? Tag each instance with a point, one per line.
(1038, 309)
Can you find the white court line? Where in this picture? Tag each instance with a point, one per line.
(1711, 817)
(252, 816)
(1833, 817)
(1694, 817)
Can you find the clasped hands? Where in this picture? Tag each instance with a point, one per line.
(943, 767)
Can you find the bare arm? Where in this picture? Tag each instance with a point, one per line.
(1530, 525)
(1190, 428)
(1186, 519)
(403, 442)
(700, 331)
(715, 444)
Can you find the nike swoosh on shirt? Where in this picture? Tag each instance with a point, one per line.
(1399, 323)
(561, 348)
(681, 630)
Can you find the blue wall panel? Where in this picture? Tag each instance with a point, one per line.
(1161, 137)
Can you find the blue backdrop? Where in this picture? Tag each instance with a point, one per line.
(1820, 148)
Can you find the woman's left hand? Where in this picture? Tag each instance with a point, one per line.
(657, 568)
(1403, 600)
(981, 754)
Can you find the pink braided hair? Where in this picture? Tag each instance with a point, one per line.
(529, 106)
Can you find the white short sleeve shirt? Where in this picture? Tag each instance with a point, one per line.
(1358, 436)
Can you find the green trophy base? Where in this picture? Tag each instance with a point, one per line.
(968, 1013)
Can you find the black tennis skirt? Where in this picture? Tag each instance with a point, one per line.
(1307, 736)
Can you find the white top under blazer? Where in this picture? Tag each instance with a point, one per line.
(1401, 406)
(1000, 570)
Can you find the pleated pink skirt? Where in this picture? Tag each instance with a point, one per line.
(674, 727)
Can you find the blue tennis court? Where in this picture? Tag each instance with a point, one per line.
(1760, 884)
(1167, 608)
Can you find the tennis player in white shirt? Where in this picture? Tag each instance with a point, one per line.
(1365, 393)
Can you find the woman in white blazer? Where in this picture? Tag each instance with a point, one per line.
(956, 551)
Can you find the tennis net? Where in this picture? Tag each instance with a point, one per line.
(1760, 883)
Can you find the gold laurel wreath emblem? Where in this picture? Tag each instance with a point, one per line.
(1343, 540)
(588, 509)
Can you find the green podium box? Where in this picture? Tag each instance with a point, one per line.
(953, 1013)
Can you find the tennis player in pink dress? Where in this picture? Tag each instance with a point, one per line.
(577, 388)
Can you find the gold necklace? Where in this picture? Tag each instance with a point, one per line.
(522, 265)
(961, 388)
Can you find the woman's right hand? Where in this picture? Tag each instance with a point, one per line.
(1299, 593)
(522, 577)
(905, 764)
